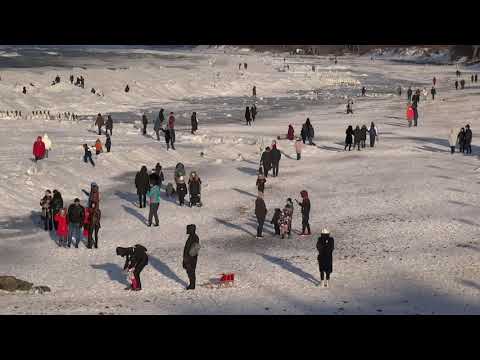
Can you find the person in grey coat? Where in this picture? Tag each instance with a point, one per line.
(157, 125)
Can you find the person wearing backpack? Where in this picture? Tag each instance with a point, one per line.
(154, 198)
(190, 255)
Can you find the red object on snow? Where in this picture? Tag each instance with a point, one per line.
(410, 113)
(62, 225)
(134, 283)
(39, 148)
(227, 278)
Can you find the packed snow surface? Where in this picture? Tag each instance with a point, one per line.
(404, 214)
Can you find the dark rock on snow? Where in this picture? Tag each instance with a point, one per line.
(11, 283)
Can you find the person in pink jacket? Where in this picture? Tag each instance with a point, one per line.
(298, 148)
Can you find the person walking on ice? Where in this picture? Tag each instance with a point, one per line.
(325, 246)
(305, 205)
(154, 199)
(144, 123)
(372, 132)
(433, 92)
(349, 138)
(99, 122)
(109, 125)
(452, 140)
(87, 156)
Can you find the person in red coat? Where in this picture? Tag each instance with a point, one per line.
(291, 132)
(62, 227)
(410, 114)
(38, 149)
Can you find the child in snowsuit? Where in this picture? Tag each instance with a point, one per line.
(276, 220)
(284, 223)
(88, 155)
(62, 227)
(261, 180)
(98, 147)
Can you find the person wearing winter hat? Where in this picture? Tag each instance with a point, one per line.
(452, 139)
(290, 133)
(325, 246)
(171, 129)
(260, 213)
(190, 255)
(298, 148)
(108, 143)
(181, 190)
(45, 203)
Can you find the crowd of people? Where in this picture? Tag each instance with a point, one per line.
(358, 137)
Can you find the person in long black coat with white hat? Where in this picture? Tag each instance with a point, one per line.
(325, 246)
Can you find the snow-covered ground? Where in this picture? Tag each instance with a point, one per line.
(403, 214)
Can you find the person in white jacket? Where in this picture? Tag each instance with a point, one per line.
(425, 93)
(48, 144)
(452, 139)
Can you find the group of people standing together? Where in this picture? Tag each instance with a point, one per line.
(68, 224)
(463, 139)
(358, 137)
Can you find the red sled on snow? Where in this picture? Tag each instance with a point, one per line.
(225, 280)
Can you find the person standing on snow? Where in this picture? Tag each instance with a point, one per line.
(136, 259)
(476, 77)
(190, 255)
(461, 140)
(254, 91)
(399, 91)
(181, 190)
(248, 118)
(290, 133)
(325, 246)
(456, 84)
(76, 214)
(298, 148)
(409, 93)
(253, 112)
(171, 129)
(261, 181)
(276, 220)
(46, 204)
(468, 139)
(109, 125)
(144, 123)
(159, 174)
(154, 199)
(410, 114)
(363, 135)
(349, 138)
(48, 144)
(98, 147)
(364, 90)
(310, 132)
(425, 94)
(108, 143)
(357, 135)
(142, 183)
(260, 213)
(157, 126)
(87, 156)
(39, 149)
(94, 195)
(275, 155)
(95, 215)
(434, 81)
(472, 78)
(99, 122)
(289, 208)
(56, 205)
(161, 117)
(433, 92)
(61, 226)
(266, 161)
(194, 122)
(452, 139)
(373, 134)
(194, 188)
(305, 205)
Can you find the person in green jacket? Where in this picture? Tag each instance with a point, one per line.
(154, 198)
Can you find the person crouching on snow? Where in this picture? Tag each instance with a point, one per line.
(136, 259)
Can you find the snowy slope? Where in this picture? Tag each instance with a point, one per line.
(403, 214)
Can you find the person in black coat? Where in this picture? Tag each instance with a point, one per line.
(357, 135)
(260, 213)
(325, 246)
(433, 92)
(305, 205)
(142, 183)
(136, 258)
(194, 188)
(253, 112)
(409, 93)
(275, 155)
(56, 205)
(461, 140)
(156, 177)
(275, 220)
(144, 123)
(309, 132)
(194, 122)
(468, 140)
(190, 255)
(87, 156)
(108, 143)
(248, 117)
(266, 161)
(349, 138)
(181, 190)
(363, 135)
